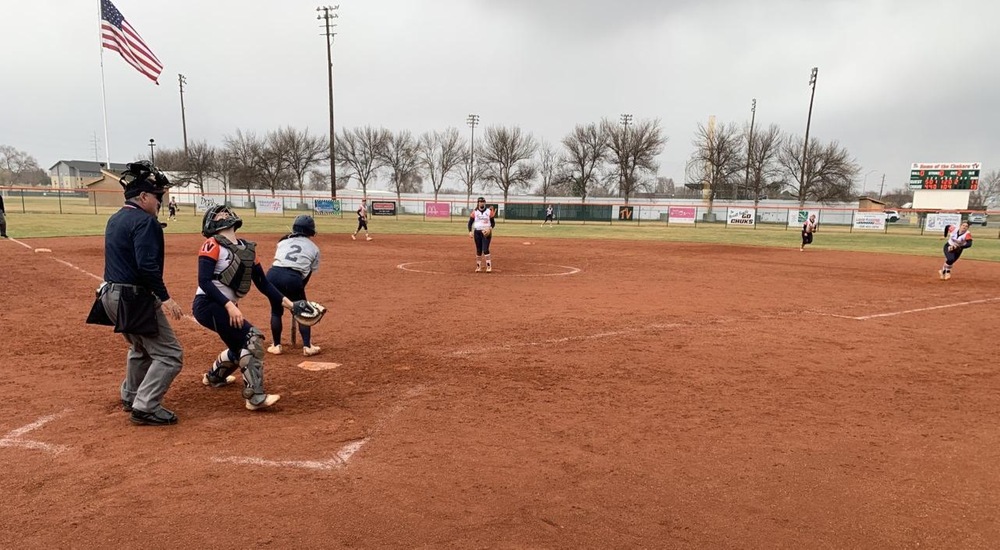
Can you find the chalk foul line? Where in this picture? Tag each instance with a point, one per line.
(907, 311)
(14, 437)
(596, 336)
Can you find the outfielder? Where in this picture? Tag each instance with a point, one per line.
(481, 224)
(226, 267)
(295, 260)
(958, 240)
(808, 229)
(362, 220)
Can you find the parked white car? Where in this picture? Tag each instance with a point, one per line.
(891, 216)
(977, 218)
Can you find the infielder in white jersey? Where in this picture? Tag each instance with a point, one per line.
(362, 221)
(481, 224)
(958, 240)
(295, 260)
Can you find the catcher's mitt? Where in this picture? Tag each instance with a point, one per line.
(307, 313)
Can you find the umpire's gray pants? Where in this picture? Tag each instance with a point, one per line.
(152, 362)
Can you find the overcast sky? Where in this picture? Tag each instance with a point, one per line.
(900, 81)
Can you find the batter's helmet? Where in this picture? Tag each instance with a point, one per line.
(210, 225)
(304, 225)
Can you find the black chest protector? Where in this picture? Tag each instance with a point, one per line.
(238, 273)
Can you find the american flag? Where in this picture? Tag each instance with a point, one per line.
(118, 35)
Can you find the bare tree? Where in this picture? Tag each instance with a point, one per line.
(200, 164)
(15, 164)
(300, 152)
(222, 171)
(401, 157)
(472, 172)
(717, 161)
(988, 193)
(506, 154)
(243, 151)
(170, 159)
(586, 150)
(633, 151)
(359, 150)
(550, 170)
(763, 168)
(440, 153)
(829, 171)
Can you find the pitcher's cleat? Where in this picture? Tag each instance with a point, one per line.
(941, 274)
(947, 275)
(268, 401)
(489, 269)
(216, 382)
(353, 238)
(309, 351)
(478, 269)
(275, 349)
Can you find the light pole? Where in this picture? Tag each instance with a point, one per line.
(805, 146)
(182, 81)
(472, 121)
(864, 186)
(152, 159)
(753, 117)
(327, 16)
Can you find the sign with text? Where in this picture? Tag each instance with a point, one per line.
(681, 214)
(869, 221)
(742, 216)
(937, 222)
(204, 203)
(269, 206)
(945, 175)
(383, 208)
(625, 213)
(437, 209)
(798, 217)
(326, 206)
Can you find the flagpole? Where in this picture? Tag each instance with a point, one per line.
(104, 94)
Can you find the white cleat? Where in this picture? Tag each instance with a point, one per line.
(489, 269)
(310, 351)
(368, 238)
(353, 238)
(229, 380)
(275, 349)
(941, 274)
(268, 401)
(947, 275)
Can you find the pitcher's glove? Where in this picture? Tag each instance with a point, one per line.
(307, 313)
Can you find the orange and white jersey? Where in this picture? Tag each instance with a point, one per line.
(223, 259)
(481, 219)
(957, 239)
(363, 211)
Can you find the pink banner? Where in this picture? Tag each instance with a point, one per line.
(681, 214)
(437, 209)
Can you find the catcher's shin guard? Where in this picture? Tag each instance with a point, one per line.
(252, 367)
(222, 370)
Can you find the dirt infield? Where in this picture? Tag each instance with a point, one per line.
(585, 394)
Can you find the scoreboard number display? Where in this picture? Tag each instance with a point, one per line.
(944, 175)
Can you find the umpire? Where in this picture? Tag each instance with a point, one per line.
(134, 296)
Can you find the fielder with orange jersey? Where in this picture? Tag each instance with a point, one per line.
(481, 224)
(227, 265)
(959, 238)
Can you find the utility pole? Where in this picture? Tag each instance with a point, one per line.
(805, 146)
(326, 16)
(881, 187)
(152, 159)
(182, 81)
(753, 117)
(472, 121)
(625, 119)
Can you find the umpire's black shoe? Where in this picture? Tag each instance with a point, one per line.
(126, 406)
(161, 417)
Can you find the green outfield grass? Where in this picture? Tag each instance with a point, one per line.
(899, 239)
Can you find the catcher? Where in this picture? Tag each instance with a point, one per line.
(958, 240)
(481, 224)
(226, 267)
(295, 260)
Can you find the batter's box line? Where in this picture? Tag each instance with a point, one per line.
(906, 311)
(14, 439)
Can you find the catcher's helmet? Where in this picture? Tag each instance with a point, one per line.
(210, 225)
(142, 177)
(304, 225)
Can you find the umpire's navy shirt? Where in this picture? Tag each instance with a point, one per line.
(133, 250)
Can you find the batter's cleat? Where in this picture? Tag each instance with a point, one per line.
(275, 349)
(309, 351)
(947, 275)
(941, 273)
(268, 401)
(126, 406)
(489, 268)
(162, 417)
(209, 379)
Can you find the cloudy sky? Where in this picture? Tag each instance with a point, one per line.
(900, 81)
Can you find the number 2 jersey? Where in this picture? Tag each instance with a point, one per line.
(298, 253)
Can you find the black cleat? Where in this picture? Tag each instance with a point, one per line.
(162, 417)
(126, 406)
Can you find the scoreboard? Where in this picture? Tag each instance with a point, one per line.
(944, 175)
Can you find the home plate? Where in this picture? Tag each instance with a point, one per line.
(314, 365)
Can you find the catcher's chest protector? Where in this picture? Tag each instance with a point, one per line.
(237, 274)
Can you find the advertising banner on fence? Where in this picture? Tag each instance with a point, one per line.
(326, 206)
(625, 213)
(798, 217)
(742, 216)
(937, 222)
(437, 210)
(873, 221)
(269, 206)
(681, 214)
(204, 203)
(383, 208)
